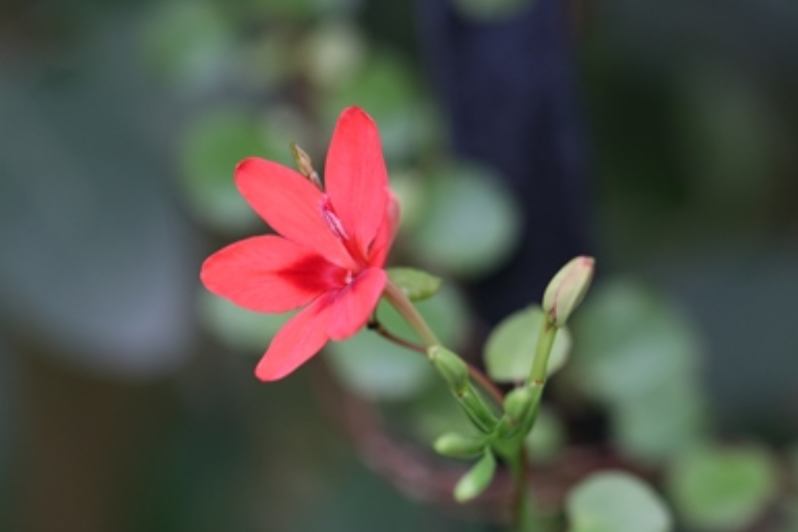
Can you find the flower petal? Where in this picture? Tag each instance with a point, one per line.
(299, 339)
(292, 205)
(269, 274)
(355, 176)
(386, 233)
(354, 303)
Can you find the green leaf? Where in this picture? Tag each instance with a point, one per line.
(387, 88)
(237, 327)
(547, 437)
(376, 368)
(189, 43)
(477, 479)
(716, 488)
(511, 346)
(634, 341)
(416, 284)
(615, 501)
(214, 143)
(660, 424)
(471, 224)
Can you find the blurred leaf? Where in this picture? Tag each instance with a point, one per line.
(386, 87)
(661, 423)
(189, 43)
(213, 144)
(212, 147)
(411, 192)
(416, 284)
(547, 438)
(717, 488)
(237, 327)
(486, 10)
(377, 368)
(471, 225)
(295, 11)
(614, 501)
(634, 342)
(510, 348)
(332, 54)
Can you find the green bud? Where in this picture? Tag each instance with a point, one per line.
(519, 407)
(451, 367)
(477, 479)
(416, 284)
(518, 403)
(456, 445)
(305, 165)
(567, 289)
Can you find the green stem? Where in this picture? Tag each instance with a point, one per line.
(397, 298)
(537, 375)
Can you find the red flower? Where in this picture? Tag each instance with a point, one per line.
(330, 255)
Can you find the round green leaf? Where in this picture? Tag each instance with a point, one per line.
(660, 424)
(214, 143)
(387, 88)
(376, 368)
(332, 54)
(237, 327)
(547, 436)
(510, 348)
(189, 43)
(717, 488)
(471, 225)
(634, 341)
(614, 501)
(416, 284)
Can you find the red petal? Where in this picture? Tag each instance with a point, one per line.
(354, 303)
(386, 233)
(291, 204)
(299, 339)
(269, 274)
(355, 176)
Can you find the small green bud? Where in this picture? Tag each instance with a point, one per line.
(518, 403)
(305, 165)
(567, 289)
(456, 445)
(451, 367)
(416, 284)
(477, 479)
(519, 406)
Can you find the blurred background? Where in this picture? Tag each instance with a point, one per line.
(659, 136)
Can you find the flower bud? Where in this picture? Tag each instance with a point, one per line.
(519, 407)
(305, 165)
(567, 289)
(456, 445)
(477, 479)
(518, 403)
(451, 367)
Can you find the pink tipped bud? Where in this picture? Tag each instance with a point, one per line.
(567, 289)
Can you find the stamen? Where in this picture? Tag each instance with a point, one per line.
(332, 220)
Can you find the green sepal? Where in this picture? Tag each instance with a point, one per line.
(478, 478)
(416, 284)
(456, 445)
